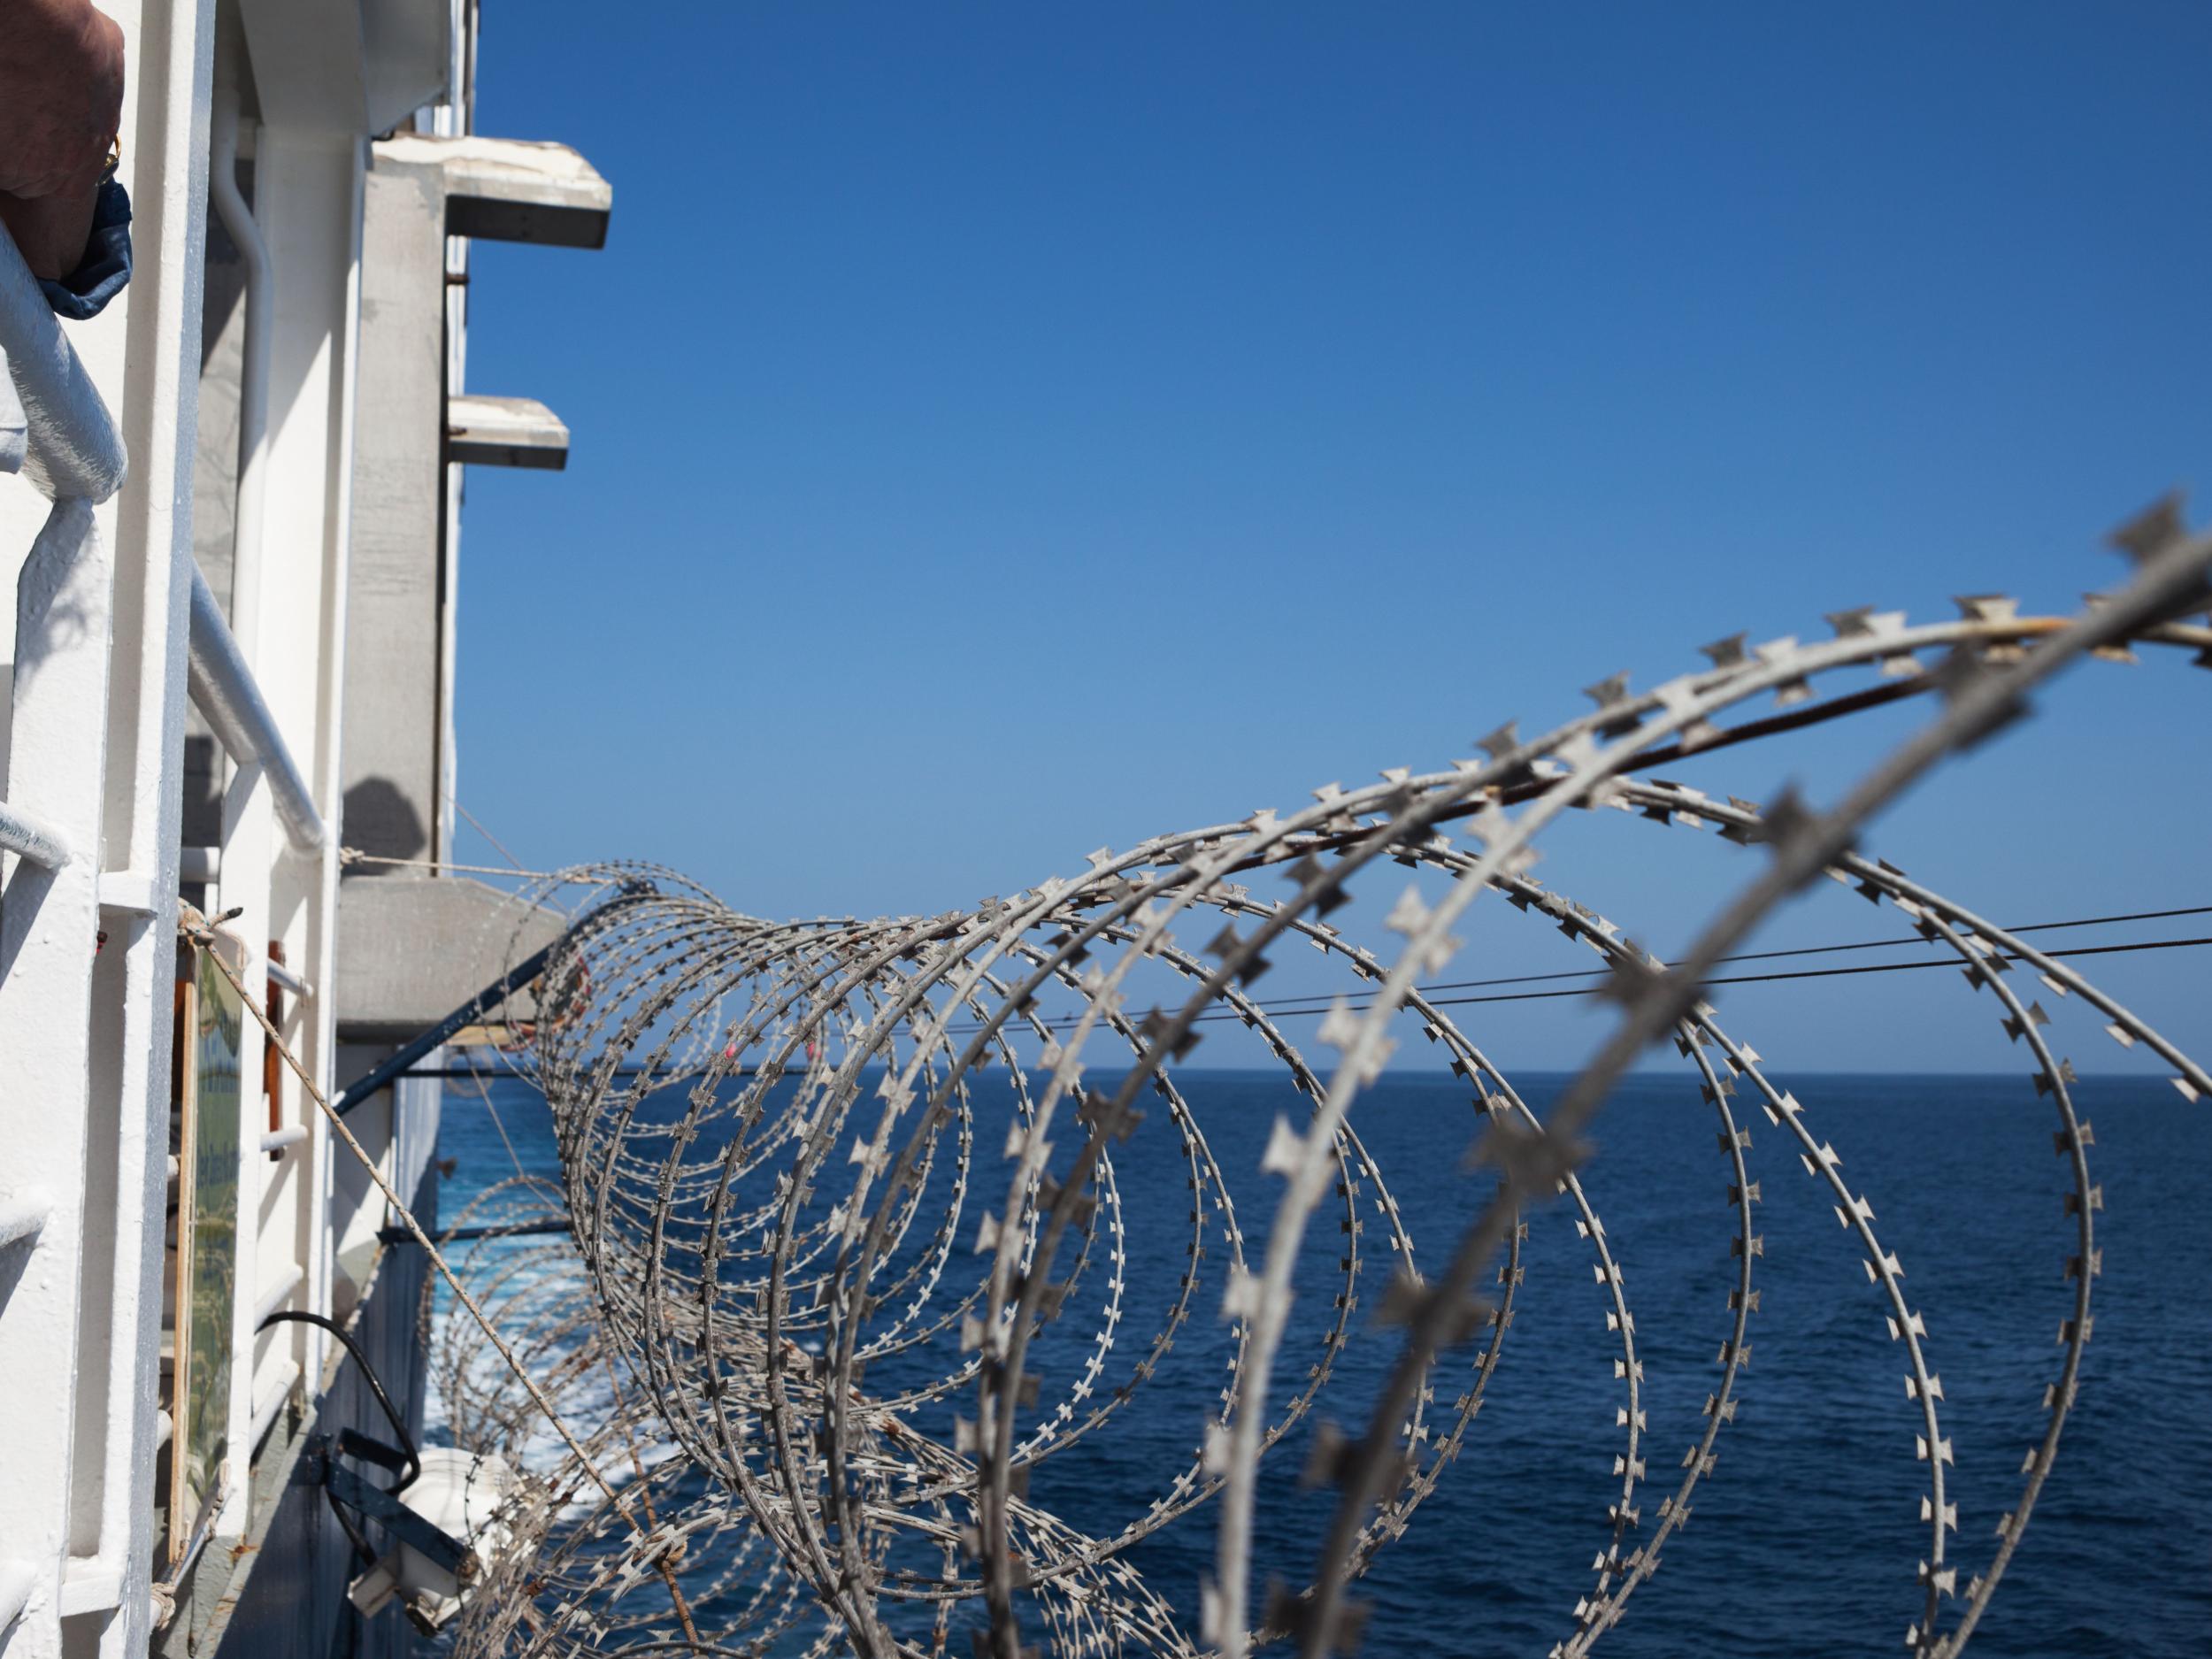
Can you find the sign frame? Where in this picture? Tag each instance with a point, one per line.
(209, 1191)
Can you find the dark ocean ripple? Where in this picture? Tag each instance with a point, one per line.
(1807, 1536)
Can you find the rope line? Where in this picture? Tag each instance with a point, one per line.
(476, 824)
(194, 926)
(355, 855)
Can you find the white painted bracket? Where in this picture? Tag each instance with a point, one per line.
(506, 189)
(91, 1584)
(130, 891)
(504, 431)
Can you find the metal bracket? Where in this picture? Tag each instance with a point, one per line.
(407, 1526)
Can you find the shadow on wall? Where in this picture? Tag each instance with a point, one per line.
(203, 793)
(380, 819)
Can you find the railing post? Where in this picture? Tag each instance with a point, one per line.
(50, 922)
(14, 429)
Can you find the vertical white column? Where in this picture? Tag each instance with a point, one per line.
(318, 1027)
(48, 928)
(248, 835)
(158, 320)
(307, 203)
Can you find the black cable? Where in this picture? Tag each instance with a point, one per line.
(376, 1386)
(1767, 955)
(469, 1235)
(1283, 1009)
(1759, 978)
(361, 1545)
(1277, 1010)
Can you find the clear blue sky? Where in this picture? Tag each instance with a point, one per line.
(1003, 430)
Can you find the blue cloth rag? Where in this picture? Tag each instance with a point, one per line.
(107, 265)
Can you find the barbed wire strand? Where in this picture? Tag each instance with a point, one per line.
(197, 928)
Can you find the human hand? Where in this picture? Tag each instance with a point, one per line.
(61, 104)
(49, 231)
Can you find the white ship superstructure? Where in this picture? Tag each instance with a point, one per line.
(234, 656)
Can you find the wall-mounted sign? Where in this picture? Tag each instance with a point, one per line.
(207, 1244)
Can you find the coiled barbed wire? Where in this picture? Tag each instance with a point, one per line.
(769, 1134)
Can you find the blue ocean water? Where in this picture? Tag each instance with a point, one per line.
(1807, 1534)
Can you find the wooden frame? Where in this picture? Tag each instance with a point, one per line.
(208, 1200)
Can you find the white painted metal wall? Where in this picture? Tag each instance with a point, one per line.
(288, 607)
(92, 760)
(95, 735)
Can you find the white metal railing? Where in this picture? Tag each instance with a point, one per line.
(22, 1217)
(17, 1580)
(225, 692)
(15, 435)
(56, 431)
(105, 610)
(271, 1400)
(73, 449)
(285, 980)
(104, 662)
(278, 1293)
(32, 837)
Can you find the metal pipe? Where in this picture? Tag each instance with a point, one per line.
(22, 1217)
(14, 432)
(285, 980)
(17, 1578)
(402, 1060)
(73, 449)
(32, 837)
(266, 1411)
(278, 1295)
(469, 1235)
(181, 1569)
(277, 1139)
(224, 691)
